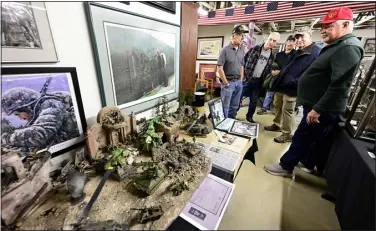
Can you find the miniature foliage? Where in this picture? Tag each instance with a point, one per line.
(116, 158)
(150, 138)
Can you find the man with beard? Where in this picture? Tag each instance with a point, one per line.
(323, 88)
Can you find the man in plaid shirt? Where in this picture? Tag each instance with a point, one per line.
(258, 64)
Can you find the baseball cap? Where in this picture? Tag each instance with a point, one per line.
(239, 30)
(291, 37)
(341, 13)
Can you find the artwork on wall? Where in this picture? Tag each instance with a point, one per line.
(26, 35)
(166, 6)
(369, 46)
(207, 67)
(41, 108)
(209, 48)
(138, 69)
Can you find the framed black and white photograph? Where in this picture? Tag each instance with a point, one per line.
(26, 34)
(135, 71)
(166, 6)
(41, 108)
(244, 128)
(369, 46)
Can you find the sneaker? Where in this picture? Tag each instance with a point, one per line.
(249, 119)
(272, 128)
(284, 138)
(277, 170)
(262, 111)
(305, 169)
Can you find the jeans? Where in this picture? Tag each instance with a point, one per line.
(252, 89)
(268, 99)
(231, 96)
(304, 138)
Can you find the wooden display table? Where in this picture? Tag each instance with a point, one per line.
(113, 203)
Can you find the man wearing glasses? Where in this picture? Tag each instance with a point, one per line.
(323, 88)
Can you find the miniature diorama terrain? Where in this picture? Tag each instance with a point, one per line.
(135, 175)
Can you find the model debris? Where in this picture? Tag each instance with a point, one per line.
(149, 214)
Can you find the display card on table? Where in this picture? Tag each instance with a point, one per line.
(206, 207)
(223, 159)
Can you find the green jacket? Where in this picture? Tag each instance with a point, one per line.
(324, 86)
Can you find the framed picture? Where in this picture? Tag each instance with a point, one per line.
(166, 6)
(244, 128)
(209, 48)
(369, 46)
(207, 67)
(26, 35)
(142, 66)
(41, 109)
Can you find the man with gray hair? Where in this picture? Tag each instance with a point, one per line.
(286, 85)
(231, 71)
(258, 64)
(323, 88)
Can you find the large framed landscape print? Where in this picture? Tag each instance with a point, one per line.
(25, 33)
(41, 109)
(137, 58)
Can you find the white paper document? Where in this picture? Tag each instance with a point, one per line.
(232, 142)
(206, 207)
(221, 158)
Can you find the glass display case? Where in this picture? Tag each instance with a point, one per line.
(360, 114)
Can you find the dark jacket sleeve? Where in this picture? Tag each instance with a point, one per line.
(39, 133)
(342, 74)
(295, 78)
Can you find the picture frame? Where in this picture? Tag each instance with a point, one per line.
(244, 129)
(26, 36)
(169, 7)
(136, 72)
(209, 48)
(369, 46)
(54, 108)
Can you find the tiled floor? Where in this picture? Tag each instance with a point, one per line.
(262, 201)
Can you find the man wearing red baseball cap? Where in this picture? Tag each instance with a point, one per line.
(323, 89)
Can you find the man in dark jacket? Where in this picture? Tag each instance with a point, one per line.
(258, 64)
(286, 86)
(323, 88)
(281, 60)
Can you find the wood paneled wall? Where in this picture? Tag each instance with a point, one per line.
(189, 28)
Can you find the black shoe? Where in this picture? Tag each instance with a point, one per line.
(249, 119)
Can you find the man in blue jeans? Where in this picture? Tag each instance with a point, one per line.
(258, 64)
(231, 71)
(323, 88)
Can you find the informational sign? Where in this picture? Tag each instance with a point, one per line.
(221, 158)
(206, 207)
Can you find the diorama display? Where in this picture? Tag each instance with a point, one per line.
(361, 105)
(155, 172)
(26, 35)
(232, 126)
(41, 109)
(140, 68)
(209, 48)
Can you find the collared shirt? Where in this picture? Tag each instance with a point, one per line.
(232, 60)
